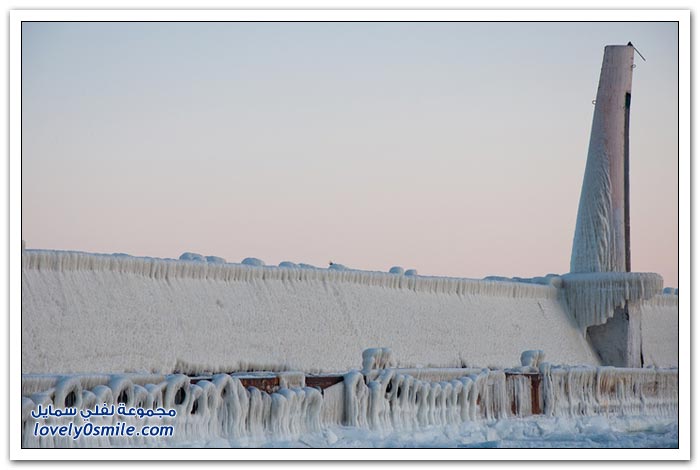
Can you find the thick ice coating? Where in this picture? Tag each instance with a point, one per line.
(599, 239)
(220, 407)
(593, 297)
(95, 313)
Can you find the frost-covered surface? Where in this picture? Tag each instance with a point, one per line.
(396, 270)
(599, 239)
(187, 256)
(533, 432)
(221, 411)
(660, 330)
(253, 262)
(593, 297)
(96, 313)
(587, 391)
(532, 358)
(377, 358)
(395, 401)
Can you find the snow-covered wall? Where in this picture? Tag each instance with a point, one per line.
(660, 330)
(96, 313)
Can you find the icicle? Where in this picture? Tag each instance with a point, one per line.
(68, 393)
(593, 297)
(66, 261)
(332, 407)
(28, 437)
(356, 397)
(292, 379)
(520, 392)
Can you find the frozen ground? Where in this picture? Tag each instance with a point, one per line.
(536, 432)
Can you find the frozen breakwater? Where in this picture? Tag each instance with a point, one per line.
(92, 313)
(182, 335)
(87, 313)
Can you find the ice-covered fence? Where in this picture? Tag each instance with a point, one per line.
(205, 409)
(96, 313)
(585, 391)
(395, 401)
(222, 407)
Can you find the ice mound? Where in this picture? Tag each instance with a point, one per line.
(187, 256)
(377, 358)
(253, 262)
(531, 358)
(288, 264)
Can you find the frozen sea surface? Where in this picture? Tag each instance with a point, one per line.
(538, 432)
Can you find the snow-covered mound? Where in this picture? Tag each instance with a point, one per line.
(97, 313)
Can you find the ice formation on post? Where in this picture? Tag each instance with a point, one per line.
(531, 358)
(587, 391)
(593, 297)
(600, 240)
(377, 358)
(600, 286)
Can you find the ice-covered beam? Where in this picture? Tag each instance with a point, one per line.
(600, 240)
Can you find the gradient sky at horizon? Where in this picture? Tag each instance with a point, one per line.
(457, 149)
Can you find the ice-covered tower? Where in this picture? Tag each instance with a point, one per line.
(602, 294)
(601, 240)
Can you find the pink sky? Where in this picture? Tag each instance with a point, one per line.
(457, 149)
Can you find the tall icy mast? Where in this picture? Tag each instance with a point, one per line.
(603, 295)
(601, 240)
